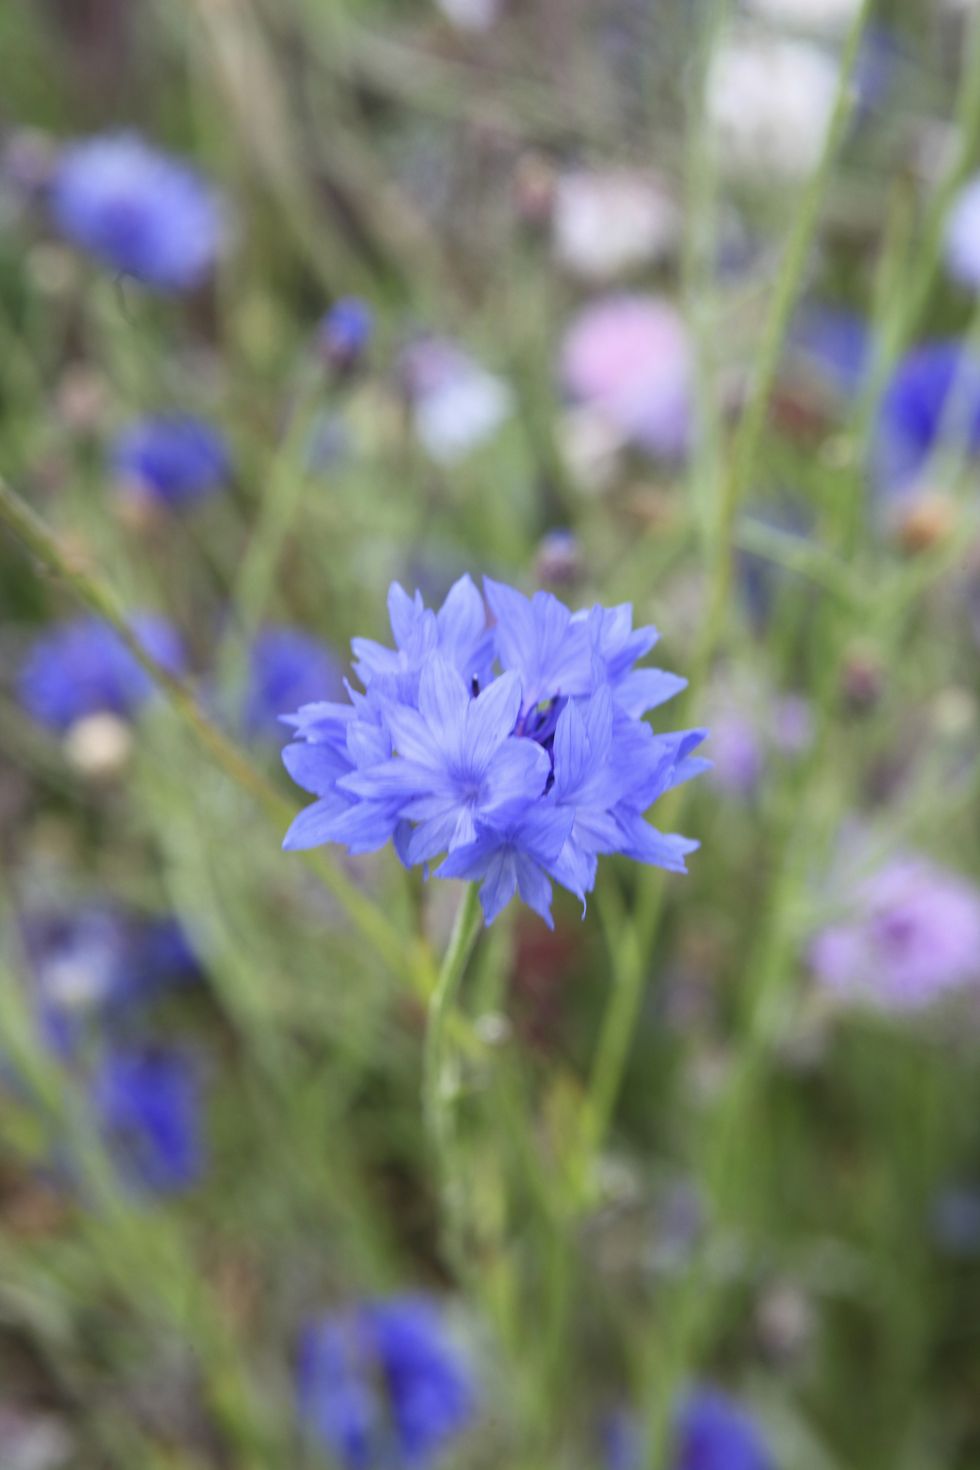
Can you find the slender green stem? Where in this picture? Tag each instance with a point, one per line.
(366, 916)
(745, 450)
(618, 1022)
(437, 1079)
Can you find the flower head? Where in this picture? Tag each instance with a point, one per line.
(383, 1387)
(934, 395)
(286, 668)
(148, 1107)
(456, 404)
(171, 461)
(83, 667)
(712, 1432)
(138, 211)
(912, 936)
(519, 751)
(627, 360)
(963, 236)
(98, 961)
(345, 332)
(769, 102)
(606, 225)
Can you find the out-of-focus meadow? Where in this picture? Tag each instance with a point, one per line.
(646, 301)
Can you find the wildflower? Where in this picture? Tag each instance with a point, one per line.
(99, 746)
(831, 346)
(769, 102)
(963, 234)
(148, 1107)
(345, 332)
(750, 724)
(173, 462)
(712, 1433)
(559, 558)
(628, 360)
(519, 752)
(456, 404)
(912, 936)
(471, 15)
(97, 961)
(828, 17)
(933, 398)
(607, 224)
(138, 211)
(383, 1387)
(83, 667)
(286, 668)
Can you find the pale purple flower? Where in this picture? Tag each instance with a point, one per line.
(963, 236)
(911, 936)
(627, 359)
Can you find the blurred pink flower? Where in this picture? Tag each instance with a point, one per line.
(913, 934)
(628, 360)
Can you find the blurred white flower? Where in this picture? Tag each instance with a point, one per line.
(99, 745)
(828, 17)
(963, 236)
(769, 101)
(471, 15)
(607, 224)
(456, 404)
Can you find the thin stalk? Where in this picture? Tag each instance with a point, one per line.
(437, 1079)
(748, 438)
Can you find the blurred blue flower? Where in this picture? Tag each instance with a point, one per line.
(833, 345)
(712, 1433)
(173, 461)
(344, 333)
(286, 668)
(934, 395)
(82, 667)
(911, 935)
(383, 1387)
(519, 776)
(751, 726)
(955, 1221)
(147, 1103)
(963, 236)
(139, 211)
(98, 961)
(456, 404)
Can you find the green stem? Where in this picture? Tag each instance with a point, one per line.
(437, 1080)
(742, 462)
(618, 1023)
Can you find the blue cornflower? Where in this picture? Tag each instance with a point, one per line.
(147, 1104)
(519, 751)
(286, 667)
(345, 332)
(138, 211)
(458, 759)
(934, 393)
(712, 1432)
(82, 667)
(383, 1387)
(172, 461)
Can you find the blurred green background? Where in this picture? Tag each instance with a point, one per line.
(678, 1156)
